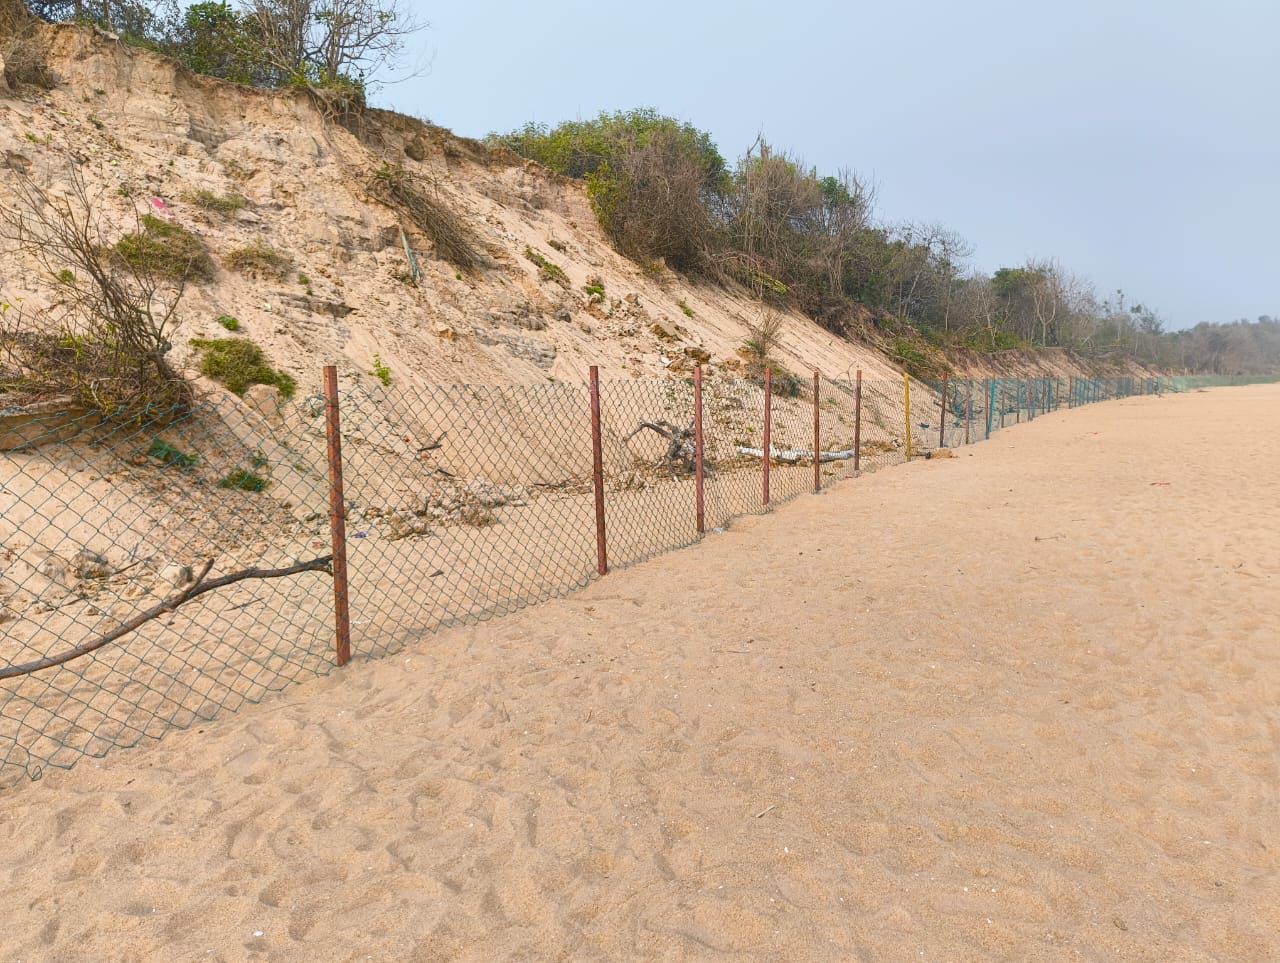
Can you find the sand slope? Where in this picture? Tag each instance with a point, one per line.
(1021, 704)
(148, 137)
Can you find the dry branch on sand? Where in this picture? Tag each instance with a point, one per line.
(199, 586)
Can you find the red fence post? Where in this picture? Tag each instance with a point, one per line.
(597, 472)
(337, 517)
(942, 428)
(817, 435)
(768, 419)
(857, 423)
(697, 446)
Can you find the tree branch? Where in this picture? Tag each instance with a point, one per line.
(194, 590)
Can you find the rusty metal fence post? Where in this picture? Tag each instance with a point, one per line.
(906, 410)
(697, 448)
(942, 416)
(857, 422)
(817, 434)
(597, 472)
(768, 419)
(337, 518)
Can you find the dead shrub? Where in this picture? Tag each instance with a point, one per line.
(763, 335)
(24, 47)
(105, 337)
(396, 187)
(477, 516)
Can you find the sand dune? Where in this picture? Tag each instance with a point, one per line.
(1019, 704)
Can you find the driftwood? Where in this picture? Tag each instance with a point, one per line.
(197, 588)
(680, 443)
(679, 440)
(793, 455)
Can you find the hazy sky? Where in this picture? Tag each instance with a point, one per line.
(1136, 142)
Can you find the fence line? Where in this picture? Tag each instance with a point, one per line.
(157, 571)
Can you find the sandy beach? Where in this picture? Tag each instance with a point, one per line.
(1020, 704)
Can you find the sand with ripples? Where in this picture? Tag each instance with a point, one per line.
(1016, 705)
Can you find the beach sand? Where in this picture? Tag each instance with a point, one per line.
(1020, 704)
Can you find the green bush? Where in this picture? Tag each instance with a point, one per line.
(237, 363)
(228, 322)
(165, 249)
(650, 178)
(214, 39)
(381, 371)
(908, 354)
(577, 148)
(990, 341)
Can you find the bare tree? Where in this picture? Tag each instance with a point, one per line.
(843, 216)
(322, 42)
(1046, 291)
(977, 308)
(925, 264)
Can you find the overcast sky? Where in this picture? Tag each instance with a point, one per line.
(1136, 142)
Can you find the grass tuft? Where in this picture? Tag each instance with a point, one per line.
(165, 249)
(224, 204)
(258, 259)
(245, 481)
(237, 364)
(548, 270)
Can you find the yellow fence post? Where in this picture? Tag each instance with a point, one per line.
(906, 409)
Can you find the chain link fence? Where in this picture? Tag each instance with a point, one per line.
(105, 526)
(156, 572)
